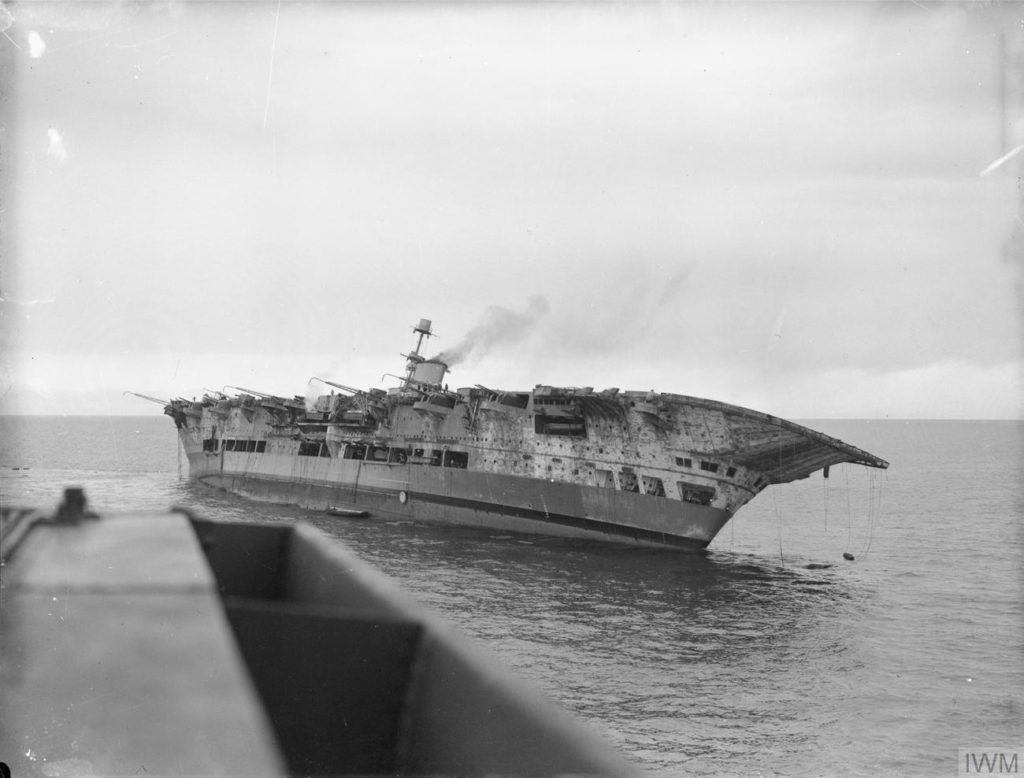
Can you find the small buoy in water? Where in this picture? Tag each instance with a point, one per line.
(847, 556)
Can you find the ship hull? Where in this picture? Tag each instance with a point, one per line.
(462, 497)
(642, 468)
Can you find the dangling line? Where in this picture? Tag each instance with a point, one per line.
(824, 491)
(849, 510)
(875, 506)
(778, 520)
(870, 514)
(882, 479)
(775, 502)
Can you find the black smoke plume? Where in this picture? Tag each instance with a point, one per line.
(499, 326)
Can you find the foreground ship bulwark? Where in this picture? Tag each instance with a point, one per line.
(642, 468)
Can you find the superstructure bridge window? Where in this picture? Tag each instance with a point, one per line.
(698, 495)
(397, 455)
(457, 459)
(210, 445)
(711, 467)
(684, 462)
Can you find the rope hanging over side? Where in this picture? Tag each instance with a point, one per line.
(825, 494)
(849, 511)
(775, 502)
(778, 521)
(874, 507)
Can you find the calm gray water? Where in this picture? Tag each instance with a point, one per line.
(739, 662)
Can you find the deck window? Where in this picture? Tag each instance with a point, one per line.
(456, 459)
(653, 486)
(730, 472)
(309, 448)
(376, 453)
(684, 462)
(711, 467)
(693, 493)
(420, 456)
(397, 455)
(604, 479)
(628, 482)
(354, 451)
(569, 426)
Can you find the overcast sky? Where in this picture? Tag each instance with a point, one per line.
(776, 205)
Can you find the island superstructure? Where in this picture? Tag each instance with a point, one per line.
(644, 468)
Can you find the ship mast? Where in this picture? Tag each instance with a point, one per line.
(421, 330)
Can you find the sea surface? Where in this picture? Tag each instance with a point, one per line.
(769, 655)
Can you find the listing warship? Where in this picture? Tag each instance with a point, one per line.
(643, 468)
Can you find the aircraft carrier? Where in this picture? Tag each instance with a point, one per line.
(644, 468)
